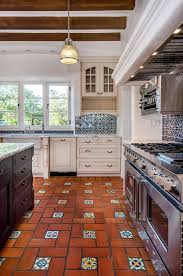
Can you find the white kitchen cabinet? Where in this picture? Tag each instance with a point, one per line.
(97, 80)
(98, 156)
(63, 154)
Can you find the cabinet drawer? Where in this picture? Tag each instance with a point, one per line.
(98, 166)
(5, 171)
(88, 140)
(109, 140)
(96, 151)
(22, 173)
(20, 159)
(63, 139)
(22, 186)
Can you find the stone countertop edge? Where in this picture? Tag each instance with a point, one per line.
(34, 136)
(10, 149)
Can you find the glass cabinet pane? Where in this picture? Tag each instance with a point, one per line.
(88, 72)
(106, 70)
(93, 88)
(110, 88)
(93, 79)
(93, 70)
(87, 79)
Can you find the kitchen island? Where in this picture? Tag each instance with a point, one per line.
(16, 189)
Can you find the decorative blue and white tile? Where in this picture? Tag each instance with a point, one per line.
(42, 263)
(65, 192)
(67, 184)
(2, 260)
(62, 201)
(88, 201)
(89, 263)
(89, 215)
(51, 234)
(88, 191)
(108, 184)
(15, 234)
(111, 191)
(87, 234)
(136, 264)
(36, 201)
(88, 184)
(114, 201)
(46, 184)
(58, 214)
(126, 234)
(41, 191)
(27, 215)
(119, 215)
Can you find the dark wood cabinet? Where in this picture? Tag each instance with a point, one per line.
(16, 191)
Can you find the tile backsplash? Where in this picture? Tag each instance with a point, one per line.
(96, 123)
(173, 128)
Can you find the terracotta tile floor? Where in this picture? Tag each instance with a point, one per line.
(79, 226)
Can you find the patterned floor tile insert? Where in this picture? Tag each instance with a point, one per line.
(88, 184)
(42, 263)
(119, 215)
(114, 201)
(108, 184)
(46, 184)
(67, 184)
(87, 234)
(36, 202)
(27, 215)
(51, 235)
(127, 234)
(15, 234)
(111, 191)
(89, 263)
(65, 192)
(136, 264)
(62, 201)
(2, 260)
(88, 201)
(89, 215)
(58, 214)
(41, 191)
(88, 191)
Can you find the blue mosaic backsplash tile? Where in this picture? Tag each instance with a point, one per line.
(173, 128)
(96, 123)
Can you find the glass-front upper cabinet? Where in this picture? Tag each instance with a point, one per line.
(97, 80)
(90, 79)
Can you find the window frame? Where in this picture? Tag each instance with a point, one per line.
(49, 127)
(6, 127)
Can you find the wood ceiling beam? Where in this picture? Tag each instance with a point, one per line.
(61, 5)
(77, 23)
(59, 36)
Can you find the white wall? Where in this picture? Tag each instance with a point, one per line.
(41, 67)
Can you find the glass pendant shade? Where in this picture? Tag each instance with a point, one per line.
(69, 53)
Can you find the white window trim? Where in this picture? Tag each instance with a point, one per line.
(2, 128)
(52, 128)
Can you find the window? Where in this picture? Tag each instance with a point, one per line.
(9, 99)
(58, 105)
(33, 104)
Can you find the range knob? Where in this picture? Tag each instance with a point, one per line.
(168, 184)
(152, 172)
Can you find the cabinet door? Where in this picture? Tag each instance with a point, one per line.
(5, 200)
(107, 87)
(90, 79)
(63, 155)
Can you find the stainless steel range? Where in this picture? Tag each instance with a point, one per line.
(154, 189)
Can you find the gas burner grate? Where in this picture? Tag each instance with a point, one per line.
(156, 148)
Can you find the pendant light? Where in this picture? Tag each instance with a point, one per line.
(69, 53)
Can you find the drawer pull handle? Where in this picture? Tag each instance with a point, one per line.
(24, 157)
(87, 150)
(2, 172)
(22, 171)
(88, 141)
(23, 183)
(87, 166)
(109, 151)
(109, 140)
(109, 166)
(62, 140)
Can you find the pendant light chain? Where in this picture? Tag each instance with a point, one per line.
(69, 4)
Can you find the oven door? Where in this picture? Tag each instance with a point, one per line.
(163, 225)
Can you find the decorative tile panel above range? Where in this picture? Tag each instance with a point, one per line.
(97, 123)
(173, 128)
